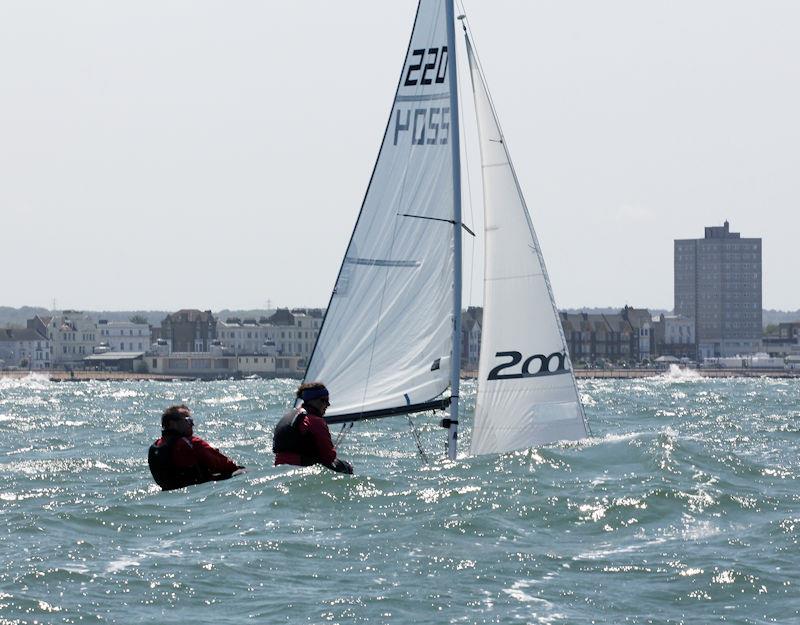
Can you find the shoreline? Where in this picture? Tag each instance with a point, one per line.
(629, 374)
(99, 376)
(703, 373)
(622, 374)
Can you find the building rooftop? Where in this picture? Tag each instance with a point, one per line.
(721, 232)
(113, 356)
(282, 317)
(192, 314)
(20, 334)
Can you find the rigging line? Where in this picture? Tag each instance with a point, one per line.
(342, 432)
(417, 440)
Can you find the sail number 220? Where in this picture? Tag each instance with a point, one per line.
(434, 70)
(427, 125)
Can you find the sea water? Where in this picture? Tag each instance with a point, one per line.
(683, 507)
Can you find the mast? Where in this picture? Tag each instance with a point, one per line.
(455, 365)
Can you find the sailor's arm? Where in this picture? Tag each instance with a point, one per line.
(213, 459)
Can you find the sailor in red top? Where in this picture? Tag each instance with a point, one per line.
(179, 459)
(302, 436)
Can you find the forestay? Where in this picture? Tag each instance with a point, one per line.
(526, 389)
(386, 339)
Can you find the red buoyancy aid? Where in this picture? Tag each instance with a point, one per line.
(177, 461)
(303, 438)
(166, 474)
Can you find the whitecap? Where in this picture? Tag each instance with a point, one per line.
(124, 394)
(121, 565)
(32, 380)
(609, 438)
(699, 530)
(517, 591)
(598, 554)
(227, 399)
(47, 607)
(678, 374)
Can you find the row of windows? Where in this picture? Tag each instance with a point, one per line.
(288, 348)
(73, 336)
(300, 335)
(240, 334)
(130, 347)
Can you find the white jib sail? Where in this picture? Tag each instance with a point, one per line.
(526, 389)
(386, 339)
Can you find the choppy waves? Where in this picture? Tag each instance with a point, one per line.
(682, 508)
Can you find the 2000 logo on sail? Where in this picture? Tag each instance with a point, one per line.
(525, 371)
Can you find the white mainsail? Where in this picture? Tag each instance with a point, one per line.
(386, 340)
(527, 394)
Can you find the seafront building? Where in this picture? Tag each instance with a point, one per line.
(674, 335)
(642, 322)
(124, 336)
(73, 336)
(287, 337)
(24, 347)
(784, 341)
(296, 331)
(189, 330)
(259, 364)
(471, 326)
(246, 336)
(718, 284)
(60, 340)
(599, 338)
(281, 344)
(210, 365)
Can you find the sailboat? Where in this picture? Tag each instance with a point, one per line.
(390, 342)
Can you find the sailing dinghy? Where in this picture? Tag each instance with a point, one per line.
(390, 340)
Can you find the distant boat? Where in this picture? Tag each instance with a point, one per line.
(390, 340)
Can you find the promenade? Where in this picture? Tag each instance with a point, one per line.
(83, 376)
(650, 372)
(619, 373)
(703, 373)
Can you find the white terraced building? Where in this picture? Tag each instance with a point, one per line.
(24, 347)
(295, 332)
(247, 336)
(74, 336)
(124, 336)
(286, 333)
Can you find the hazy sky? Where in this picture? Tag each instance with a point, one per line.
(215, 154)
